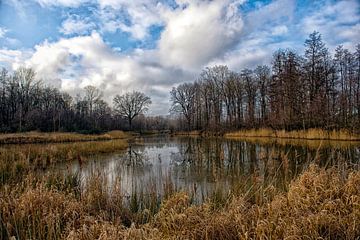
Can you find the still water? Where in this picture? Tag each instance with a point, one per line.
(203, 166)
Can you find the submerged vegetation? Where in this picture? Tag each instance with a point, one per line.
(319, 204)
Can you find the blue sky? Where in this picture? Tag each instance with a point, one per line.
(153, 45)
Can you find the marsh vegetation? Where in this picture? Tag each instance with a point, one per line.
(180, 187)
(266, 153)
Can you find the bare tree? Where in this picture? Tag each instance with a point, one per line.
(131, 105)
(183, 101)
(92, 96)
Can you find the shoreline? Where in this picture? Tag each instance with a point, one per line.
(309, 134)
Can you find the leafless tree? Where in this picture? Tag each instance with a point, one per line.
(182, 98)
(131, 104)
(92, 96)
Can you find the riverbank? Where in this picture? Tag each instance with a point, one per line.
(309, 134)
(319, 204)
(16, 161)
(58, 137)
(23, 153)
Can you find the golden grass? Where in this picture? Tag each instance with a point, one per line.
(320, 204)
(311, 144)
(18, 160)
(39, 137)
(310, 134)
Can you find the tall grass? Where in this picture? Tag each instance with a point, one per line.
(311, 134)
(39, 137)
(18, 160)
(311, 144)
(320, 204)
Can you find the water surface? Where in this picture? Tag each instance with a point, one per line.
(204, 166)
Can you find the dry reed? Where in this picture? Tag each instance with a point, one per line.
(18, 160)
(320, 204)
(39, 137)
(310, 134)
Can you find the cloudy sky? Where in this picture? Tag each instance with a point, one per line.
(153, 45)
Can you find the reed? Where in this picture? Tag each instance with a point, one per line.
(319, 204)
(310, 134)
(311, 144)
(18, 160)
(40, 137)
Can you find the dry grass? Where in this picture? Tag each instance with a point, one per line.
(38, 137)
(310, 134)
(320, 204)
(18, 160)
(311, 144)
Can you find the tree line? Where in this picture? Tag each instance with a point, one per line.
(311, 90)
(305, 91)
(27, 104)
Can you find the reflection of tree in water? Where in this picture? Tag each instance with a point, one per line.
(206, 165)
(136, 158)
(231, 160)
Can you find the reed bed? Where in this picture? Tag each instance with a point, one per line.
(311, 144)
(39, 137)
(320, 204)
(18, 160)
(310, 134)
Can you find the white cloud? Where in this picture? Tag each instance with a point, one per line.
(255, 45)
(63, 3)
(75, 25)
(3, 32)
(12, 59)
(338, 23)
(134, 17)
(265, 17)
(279, 30)
(73, 63)
(198, 31)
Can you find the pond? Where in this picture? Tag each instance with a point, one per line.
(204, 166)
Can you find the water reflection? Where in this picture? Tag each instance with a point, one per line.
(202, 166)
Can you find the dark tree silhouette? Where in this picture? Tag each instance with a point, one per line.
(130, 105)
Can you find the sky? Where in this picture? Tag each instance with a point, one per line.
(154, 45)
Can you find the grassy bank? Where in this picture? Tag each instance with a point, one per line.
(320, 204)
(310, 134)
(18, 160)
(311, 144)
(39, 137)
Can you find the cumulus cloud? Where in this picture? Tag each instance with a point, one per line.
(64, 3)
(279, 30)
(12, 59)
(134, 17)
(2, 32)
(198, 31)
(265, 17)
(73, 63)
(338, 23)
(194, 34)
(76, 25)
